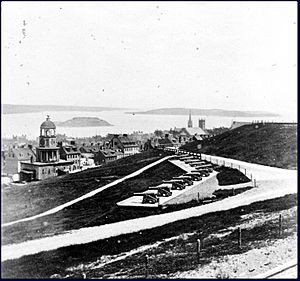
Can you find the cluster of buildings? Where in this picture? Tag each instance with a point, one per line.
(179, 136)
(51, 158)
(51, 155)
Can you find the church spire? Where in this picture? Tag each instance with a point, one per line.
(190, 123)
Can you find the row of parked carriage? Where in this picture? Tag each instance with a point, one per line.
(200, 169)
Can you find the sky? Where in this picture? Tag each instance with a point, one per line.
(227, 55)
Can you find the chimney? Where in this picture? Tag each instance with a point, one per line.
(30, 146)
(72, 142)
(166, 136)
(125, 135)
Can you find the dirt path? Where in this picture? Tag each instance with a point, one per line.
(258, 172)
(290, 273)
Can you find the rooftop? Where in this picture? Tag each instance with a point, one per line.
(195, 131)
(48, 124)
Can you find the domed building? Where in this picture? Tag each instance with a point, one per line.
(47, 151)
(48, 163)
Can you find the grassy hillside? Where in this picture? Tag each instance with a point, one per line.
(266, 144)
(102, 209)
(36, 197)
(171, 256)
(228, 176)
(97, 210)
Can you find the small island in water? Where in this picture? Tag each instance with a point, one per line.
(83, 122)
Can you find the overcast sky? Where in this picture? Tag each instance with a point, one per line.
(229, 55)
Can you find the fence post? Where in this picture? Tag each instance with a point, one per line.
(280, 225)
(198, 198)
(233, 192)
(231, 165)
(240, 237)
(251, 177)
(146, 266)
(239, 167)
(254, 182)
(198, 250)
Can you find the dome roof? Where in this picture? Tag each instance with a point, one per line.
(48, 124)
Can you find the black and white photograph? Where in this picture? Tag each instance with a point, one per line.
(149, 140)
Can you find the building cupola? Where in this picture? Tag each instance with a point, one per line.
(47, 134)
(47, 128)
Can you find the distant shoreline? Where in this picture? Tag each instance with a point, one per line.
(205, 112)
(18, 108)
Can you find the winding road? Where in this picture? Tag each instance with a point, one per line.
(272, 183)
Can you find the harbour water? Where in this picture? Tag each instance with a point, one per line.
(29, 123)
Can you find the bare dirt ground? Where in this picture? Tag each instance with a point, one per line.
(249, 264)
(255, 261)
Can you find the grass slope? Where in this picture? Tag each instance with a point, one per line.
(228, 176)
(36, 197)
(97, 210)
(266, 144)
(163, 260)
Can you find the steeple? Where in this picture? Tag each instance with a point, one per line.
(190, 123)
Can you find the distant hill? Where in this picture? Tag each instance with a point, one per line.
(19, 108)
(83, 122)
(206, 112)
(266, 144)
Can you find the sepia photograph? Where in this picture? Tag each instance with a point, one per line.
(149, 140)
